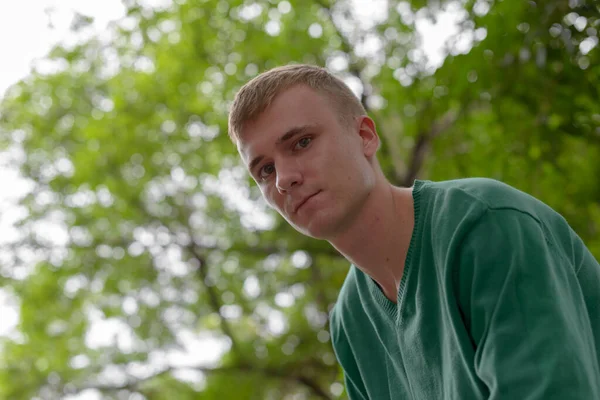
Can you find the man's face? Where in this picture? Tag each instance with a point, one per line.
(311, 168)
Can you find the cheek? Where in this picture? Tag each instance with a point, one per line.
(271, 195)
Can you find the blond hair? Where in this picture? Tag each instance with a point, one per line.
(258, 94)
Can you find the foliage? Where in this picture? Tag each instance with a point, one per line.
(143, 223)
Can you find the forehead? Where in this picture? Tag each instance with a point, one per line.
(294, 107)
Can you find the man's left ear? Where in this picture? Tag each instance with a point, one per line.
(368, 134)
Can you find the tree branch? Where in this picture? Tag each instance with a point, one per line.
(348, 49)
(313, 386)
(423, 144)
(273, 373)
(268, 250)
(213, 297)
(316, 285)
(393, 148)
(277, 373)
(191, 247)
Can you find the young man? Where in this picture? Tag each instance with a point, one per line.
(464, 289)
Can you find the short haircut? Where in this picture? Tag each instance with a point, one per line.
(258, 94)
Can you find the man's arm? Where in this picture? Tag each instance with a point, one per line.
(352, 379)
(526, 312)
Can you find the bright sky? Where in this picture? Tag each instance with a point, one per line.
(28, 30)
(25, 35)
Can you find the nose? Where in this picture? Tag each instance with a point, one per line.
(287, 177)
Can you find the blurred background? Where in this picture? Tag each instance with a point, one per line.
(137, 259)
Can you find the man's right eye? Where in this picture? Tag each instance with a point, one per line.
(265, 171)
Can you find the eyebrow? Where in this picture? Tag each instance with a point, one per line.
(291, 133)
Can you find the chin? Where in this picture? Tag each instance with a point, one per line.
(319, 227)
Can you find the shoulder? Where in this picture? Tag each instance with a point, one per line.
(488, 193)
(347, 295)
(340, 311)
(454, 213)
(513, 242)
(504, 229)
(350, 309)
(503, 245)
(498, 226)
(460, 203)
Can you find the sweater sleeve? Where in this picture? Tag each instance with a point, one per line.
(526, 312)
(352, 380)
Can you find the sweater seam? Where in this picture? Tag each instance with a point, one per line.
(499, 208)
(545, 230)
(489, 207)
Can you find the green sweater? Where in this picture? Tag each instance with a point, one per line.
(499, 300)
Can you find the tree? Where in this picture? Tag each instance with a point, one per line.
(143, 223)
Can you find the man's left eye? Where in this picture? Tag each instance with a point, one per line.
(303, 142)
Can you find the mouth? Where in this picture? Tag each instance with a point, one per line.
(304, 201)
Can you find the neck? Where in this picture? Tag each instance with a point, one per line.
(378, 238)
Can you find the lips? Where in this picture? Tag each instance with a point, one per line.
(301, 203)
